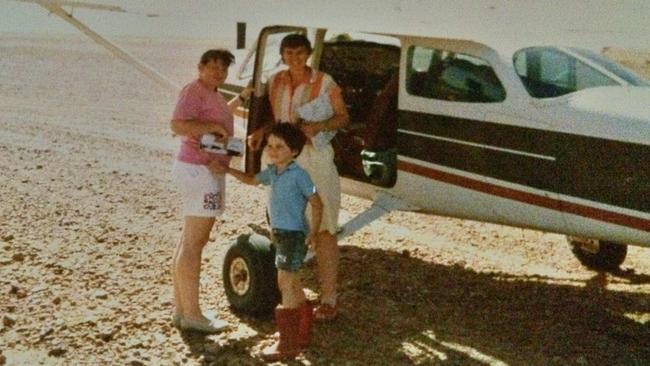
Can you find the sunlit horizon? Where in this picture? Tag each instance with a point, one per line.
(592, 23)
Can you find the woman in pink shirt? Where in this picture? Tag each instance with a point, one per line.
(200, 110)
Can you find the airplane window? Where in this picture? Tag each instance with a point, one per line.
(586, 77)
(421, 59)
(611, 66)
(272, 59)
(446, 75)
(548, 72)
(248, 68)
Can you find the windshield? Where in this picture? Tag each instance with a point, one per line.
(612, 67)
(272, 60)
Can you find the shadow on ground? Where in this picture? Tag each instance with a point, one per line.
(401, 310)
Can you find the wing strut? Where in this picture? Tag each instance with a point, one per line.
(56, 9)
(384, 203)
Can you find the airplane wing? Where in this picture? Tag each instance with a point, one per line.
(56, 7)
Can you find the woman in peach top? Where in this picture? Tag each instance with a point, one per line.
(288, 90)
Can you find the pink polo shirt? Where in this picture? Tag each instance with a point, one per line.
(197, 102)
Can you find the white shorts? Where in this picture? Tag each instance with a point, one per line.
(203, 193)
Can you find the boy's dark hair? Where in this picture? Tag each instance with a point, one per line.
(295, 40)
(221, 54)
(291, 135)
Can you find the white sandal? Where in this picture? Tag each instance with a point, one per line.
(204, 325)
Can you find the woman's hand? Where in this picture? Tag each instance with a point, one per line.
(310, 129)
(246, 94)
(255, 139)
(219, 131)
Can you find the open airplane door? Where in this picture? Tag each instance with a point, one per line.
(249, 274)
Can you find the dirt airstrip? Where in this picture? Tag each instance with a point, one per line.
(89, 220)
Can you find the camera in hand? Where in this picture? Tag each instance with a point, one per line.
(232, 146)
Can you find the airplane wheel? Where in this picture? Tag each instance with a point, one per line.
(249, 275)
(598, 254)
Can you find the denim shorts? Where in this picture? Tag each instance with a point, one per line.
(290, 249)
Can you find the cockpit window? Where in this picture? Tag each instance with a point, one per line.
(612, 67)
(441, 74)
(547, 72)
(272, 59)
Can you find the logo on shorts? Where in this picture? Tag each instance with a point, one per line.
(212, 201)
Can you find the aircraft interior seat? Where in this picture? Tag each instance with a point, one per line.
(540, 89)
(361, 69)
(417, 83)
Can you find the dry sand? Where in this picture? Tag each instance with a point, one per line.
(89, 220)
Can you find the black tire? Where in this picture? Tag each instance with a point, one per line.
(249, 275)
(607, 255)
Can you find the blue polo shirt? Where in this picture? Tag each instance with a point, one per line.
(290, 191)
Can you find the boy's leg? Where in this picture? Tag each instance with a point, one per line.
(286, 347)
(290, 251)
(291, 288)
(287, 316)
(290, 254)
(293, 298)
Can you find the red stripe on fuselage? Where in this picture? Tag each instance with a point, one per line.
(526, 197)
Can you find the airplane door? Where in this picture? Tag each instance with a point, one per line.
(367, 73)
(455, 136)
(267, 62)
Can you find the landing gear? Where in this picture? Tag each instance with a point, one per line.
(598, 254)
(249, 275)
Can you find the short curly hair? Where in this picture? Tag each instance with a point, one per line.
(223, 55)
(291, 135)
(295, 40)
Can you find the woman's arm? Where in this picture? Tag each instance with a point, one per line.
(256, 138)
(339, 120)
(240, 99)
(196, 127)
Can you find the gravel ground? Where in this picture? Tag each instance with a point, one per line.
(89, 220)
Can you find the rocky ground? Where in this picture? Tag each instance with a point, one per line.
(89, 220)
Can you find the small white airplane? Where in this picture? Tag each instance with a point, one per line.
(534, 136)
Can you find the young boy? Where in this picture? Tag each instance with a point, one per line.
(291, 190)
